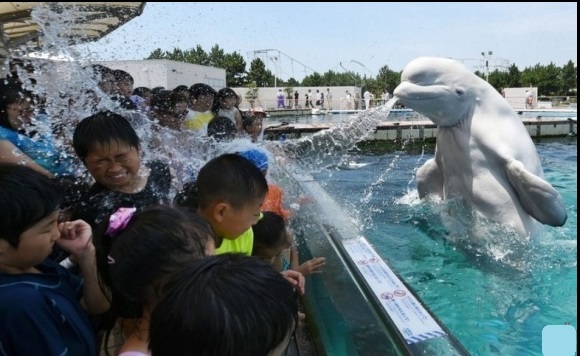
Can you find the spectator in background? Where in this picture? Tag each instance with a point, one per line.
(329, 98)
(280, 99)
(296, 96)
(529, 100)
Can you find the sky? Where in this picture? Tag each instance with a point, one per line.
(361, 37)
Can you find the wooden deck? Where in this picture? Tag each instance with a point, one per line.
(422, 129)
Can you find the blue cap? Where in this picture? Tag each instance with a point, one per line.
(257, 157)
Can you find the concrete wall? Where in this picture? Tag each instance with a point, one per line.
(169, 74)
(267, 97)
(516, 97)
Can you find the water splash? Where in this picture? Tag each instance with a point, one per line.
(324, 147)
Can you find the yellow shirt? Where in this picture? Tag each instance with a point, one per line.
(242, 244)
(198, 122)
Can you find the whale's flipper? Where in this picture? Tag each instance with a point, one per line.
(537, 196)
(429, 180)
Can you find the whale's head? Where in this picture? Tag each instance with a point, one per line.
(441, 89)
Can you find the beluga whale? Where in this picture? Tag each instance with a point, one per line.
(484, 155)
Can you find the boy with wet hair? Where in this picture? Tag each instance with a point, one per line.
(225, 305)
(42, 305)
(228, 193)
(110, 149)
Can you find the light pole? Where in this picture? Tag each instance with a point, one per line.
(275, 61)
(486, 62)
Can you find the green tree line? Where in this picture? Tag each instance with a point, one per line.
(550, 79)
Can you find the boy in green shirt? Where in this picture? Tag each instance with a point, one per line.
(228, 193)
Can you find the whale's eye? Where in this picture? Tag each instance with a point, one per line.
(459, 91)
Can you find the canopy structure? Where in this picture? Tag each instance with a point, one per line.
(91, 21)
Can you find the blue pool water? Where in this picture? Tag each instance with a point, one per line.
(491, 305)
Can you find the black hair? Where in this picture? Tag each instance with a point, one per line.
(99, 71)
(229, 304)
(103, 127)
(181, 88)
(269, 232)
(141, 91)
(221, 128)
(188, 196)
(121, 75)
(165, 101)
(157, 90)
(247, 119)
(26, 197)
(231, 178)
(201, 89)
(135, 262)
(223, 93)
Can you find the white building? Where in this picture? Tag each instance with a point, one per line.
(169, 74)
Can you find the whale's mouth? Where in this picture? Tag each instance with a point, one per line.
(412, 92)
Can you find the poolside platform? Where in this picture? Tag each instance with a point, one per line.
(404, 130)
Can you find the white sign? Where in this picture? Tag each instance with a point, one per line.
(413, 321)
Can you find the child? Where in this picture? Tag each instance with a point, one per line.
(226, 104)
(252, 122)
(272, 238)
(135, 253)
(42, 305)
(111, 151)
(228, 193)
(225, 305)
(221, 129)
(26, 138)
(273, 201)
(201, 97)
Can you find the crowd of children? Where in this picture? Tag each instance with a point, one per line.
(96, 232)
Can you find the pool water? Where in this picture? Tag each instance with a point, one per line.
(491, 305)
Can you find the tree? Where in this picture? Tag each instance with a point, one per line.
(568, 79)
(549, 79)
(235, 67)
(514, 77)
(259, 74)
(388, 79)
(157, 54)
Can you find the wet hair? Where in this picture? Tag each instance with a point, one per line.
(121, 75)
(141, 91)
(201, 89)
(157, 90)
(99, 71)
(269, 232)
(166, 100)
(188, 196)
(221, 128)
(202, 304)
(161, 100)
(181, 88)
(247, 120)
(222, 94)
(231, 178)
(103, 127)
(26, 197)
(135, 262)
